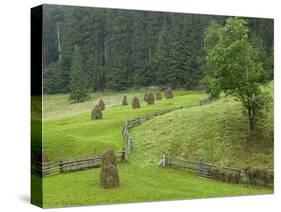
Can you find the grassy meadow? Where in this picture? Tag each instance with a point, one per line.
(214, 132)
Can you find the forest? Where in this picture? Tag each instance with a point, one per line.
(100, 49)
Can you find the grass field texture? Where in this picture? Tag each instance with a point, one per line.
(214, 132)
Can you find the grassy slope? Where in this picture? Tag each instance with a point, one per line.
(215, 133)
(57, 106)
(78, 136)
(141, 178)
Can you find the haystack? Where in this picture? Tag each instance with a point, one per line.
(145, 97)
(124, 101)
(109, 174)
(101, 104)
(96, 113)
(136, 103)
(150, 99)
(169, 93)
(158, 95)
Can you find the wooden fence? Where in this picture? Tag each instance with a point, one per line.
(64, 166)
(217, 172)
(45, 168)
(205, 101)
(138, 121)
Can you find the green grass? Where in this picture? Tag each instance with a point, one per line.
(78, 136)
(138, 184)
(214, 133)
(57, 106)
(188, 132)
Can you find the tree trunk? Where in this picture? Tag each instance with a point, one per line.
(250, 121)
(58, 37)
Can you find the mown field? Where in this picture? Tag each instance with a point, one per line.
(214, 132)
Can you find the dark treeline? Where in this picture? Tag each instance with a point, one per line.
(119, 49)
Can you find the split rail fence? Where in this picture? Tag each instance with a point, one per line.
(64, 166)
(217, 172)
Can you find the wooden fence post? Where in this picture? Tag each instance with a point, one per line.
(123, 154)
(164, 158)
(61, 166)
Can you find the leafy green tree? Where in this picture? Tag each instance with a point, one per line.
(77, 85)
(237, 70)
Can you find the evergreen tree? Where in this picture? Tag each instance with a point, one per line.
(77, 85)
(123, 49)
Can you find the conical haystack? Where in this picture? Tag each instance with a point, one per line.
(109, 174)
(124, 101)
(136, 103)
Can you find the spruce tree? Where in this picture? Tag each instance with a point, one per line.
(77, 85)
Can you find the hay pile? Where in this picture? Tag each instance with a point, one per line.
(145, 97)
(158, 95)
(169, 93)
(124, 101)
(150, 99)
(109, 174)
(136, 103)
(96, 113)
(101, 104)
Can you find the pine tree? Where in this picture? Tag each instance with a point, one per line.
(77, 85)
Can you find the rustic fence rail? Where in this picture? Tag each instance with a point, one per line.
(205, 101)
(63, 166)
(223, 173)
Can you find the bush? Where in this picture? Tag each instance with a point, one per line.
(222, 174)
(259, 176)
(150, 99)
(136, 103)
(101, 104)
(158, 95)
(251, 175)
(169, 93)
(124, 101)
(96, 113)
(109, 177)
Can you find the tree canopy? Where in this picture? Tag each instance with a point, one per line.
(121, 49)
(236, 68)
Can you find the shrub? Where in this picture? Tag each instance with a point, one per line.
(252, 175)
(269, 177)
(158, 95)
(101, 104)
(222, 174)
(259, 176)
(136, 103)
(96, 113)
(150, 99)
(124, 101)
(169, 93)
(109, 177)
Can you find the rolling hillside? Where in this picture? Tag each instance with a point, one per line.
(217, 130)
(215, 133)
